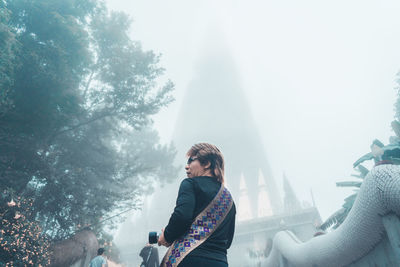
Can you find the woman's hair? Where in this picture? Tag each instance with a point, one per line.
(208, 153)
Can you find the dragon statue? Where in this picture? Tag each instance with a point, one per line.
(356, 236)
(363, 227)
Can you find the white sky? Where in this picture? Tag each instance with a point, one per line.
(319, 75)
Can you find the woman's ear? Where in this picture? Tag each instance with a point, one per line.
(208, 165)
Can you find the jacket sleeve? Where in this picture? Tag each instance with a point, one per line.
(182, 217)
(231, 227)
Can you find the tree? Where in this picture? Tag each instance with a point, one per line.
(7, 49)
(78, 137)
(22, 243)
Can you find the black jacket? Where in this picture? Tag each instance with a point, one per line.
(193, 197)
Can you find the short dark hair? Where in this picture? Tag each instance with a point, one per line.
(208, 153)
(100, 251)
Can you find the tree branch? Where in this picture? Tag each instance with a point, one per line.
(107, 114)
(88, 84)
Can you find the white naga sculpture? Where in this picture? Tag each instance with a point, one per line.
(362, 230)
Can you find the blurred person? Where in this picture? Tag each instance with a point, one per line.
(149, 255)
(99, 260)
(202, 225)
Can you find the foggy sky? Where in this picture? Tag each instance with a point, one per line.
(319, 76)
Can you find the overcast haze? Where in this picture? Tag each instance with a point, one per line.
(319, 76)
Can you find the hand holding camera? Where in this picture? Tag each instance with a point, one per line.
(156, 237)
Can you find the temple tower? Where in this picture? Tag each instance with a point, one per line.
(215, 110)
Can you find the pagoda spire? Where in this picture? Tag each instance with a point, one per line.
(264, 204)
(215, 110)
(291, 202)
(244, 209)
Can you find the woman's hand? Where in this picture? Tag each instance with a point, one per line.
(162, 241)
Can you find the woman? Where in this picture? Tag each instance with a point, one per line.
(202, 225)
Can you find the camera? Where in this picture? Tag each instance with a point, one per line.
(153, 237)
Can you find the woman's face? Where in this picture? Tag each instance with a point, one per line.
(194, 168)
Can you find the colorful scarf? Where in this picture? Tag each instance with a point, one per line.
(202, 227)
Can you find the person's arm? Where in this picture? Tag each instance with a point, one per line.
(182, 217)
(232, 227)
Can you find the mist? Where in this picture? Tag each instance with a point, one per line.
(318, 78)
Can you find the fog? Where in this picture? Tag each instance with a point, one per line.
(319, 77)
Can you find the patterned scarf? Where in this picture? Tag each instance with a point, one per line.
(202, 227)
